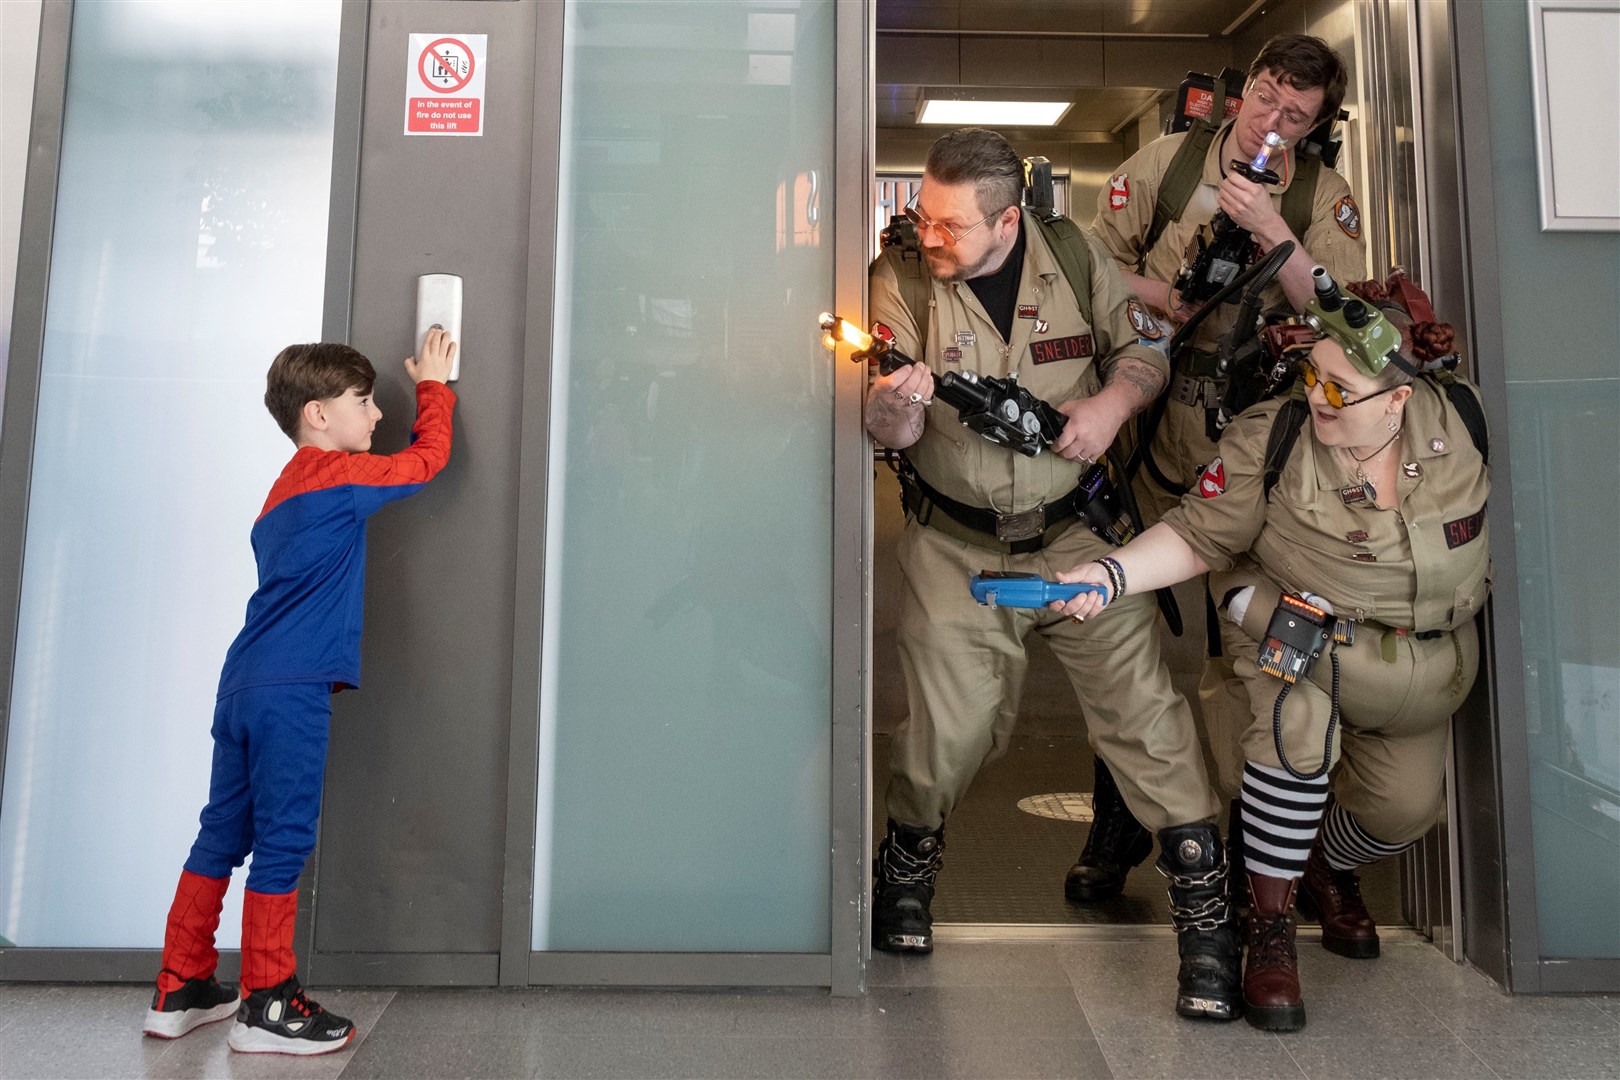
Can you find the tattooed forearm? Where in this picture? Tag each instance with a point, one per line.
(1141, 376)
(897, 424)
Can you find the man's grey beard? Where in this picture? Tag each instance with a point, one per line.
(961, 273)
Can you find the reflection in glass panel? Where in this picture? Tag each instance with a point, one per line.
(686, 683)
(189, 247)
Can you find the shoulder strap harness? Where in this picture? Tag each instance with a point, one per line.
(1187, 168)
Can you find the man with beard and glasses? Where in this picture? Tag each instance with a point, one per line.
(1000, 305)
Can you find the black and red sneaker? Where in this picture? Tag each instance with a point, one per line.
(179, 1006)
(281, 1020)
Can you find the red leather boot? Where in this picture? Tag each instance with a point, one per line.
(1271, 997)
(1333, 898)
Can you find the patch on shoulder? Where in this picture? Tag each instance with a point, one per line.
(1119, 191)
(1348, 217)
(1212, 479)
(1147, 327)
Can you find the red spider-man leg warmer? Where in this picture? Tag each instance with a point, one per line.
(267, 937)
(188, 941)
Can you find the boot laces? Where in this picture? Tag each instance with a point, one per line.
(1271, 940)
(1110, 826)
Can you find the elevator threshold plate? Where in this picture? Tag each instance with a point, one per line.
(1058, 933)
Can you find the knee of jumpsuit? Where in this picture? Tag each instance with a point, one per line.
(931, 766)
(1393, 770)
(1140, 724)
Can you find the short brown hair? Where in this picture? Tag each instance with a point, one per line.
(1305, 63)
(983, 158)
(315, 372)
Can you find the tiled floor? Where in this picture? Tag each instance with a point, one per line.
(1091, 1009)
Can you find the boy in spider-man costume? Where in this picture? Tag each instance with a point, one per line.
(300, 644)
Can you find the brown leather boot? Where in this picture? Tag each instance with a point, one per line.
(1271, 998)
(1333, 898)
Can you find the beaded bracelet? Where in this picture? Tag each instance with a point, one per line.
(1116, 577)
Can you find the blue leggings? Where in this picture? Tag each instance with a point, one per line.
(264, 795)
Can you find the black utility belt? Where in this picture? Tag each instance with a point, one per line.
(1018, 534)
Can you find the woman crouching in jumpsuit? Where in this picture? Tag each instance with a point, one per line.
(1373, 525)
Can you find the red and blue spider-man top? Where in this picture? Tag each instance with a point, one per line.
(303, 621)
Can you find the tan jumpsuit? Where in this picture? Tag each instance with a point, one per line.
(1411, 577)
(963, 663)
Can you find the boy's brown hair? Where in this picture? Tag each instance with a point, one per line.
(1305, 63)
(315, 372)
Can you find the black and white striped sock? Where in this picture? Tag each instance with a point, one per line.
(1281, 814)
(1346, 845)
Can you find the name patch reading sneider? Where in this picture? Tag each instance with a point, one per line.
(1064, 348)
(1462, 530)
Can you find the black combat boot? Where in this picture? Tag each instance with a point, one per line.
(1116, 844)
(1210, 980)
(908, 861)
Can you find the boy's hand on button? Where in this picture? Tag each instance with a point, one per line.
(438, 354)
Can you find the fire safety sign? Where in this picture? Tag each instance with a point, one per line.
(444, 84)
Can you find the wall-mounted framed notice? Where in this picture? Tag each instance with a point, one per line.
(1575, 68)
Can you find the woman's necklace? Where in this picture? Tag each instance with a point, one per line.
(1361, 473)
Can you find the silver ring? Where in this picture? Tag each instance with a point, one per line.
(916, 399)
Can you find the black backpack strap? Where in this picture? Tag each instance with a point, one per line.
(1300, 198)
(1468, 411)
(1073, 255)
(1280, 443)
(1180, 180)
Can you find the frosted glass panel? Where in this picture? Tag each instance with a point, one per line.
(686, 686)
(189, 247)
(1559, 293)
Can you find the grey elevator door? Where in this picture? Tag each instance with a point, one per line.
(408, 882)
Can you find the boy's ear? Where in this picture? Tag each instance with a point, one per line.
(313, 416)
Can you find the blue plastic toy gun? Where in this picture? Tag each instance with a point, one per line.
(997, 588)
